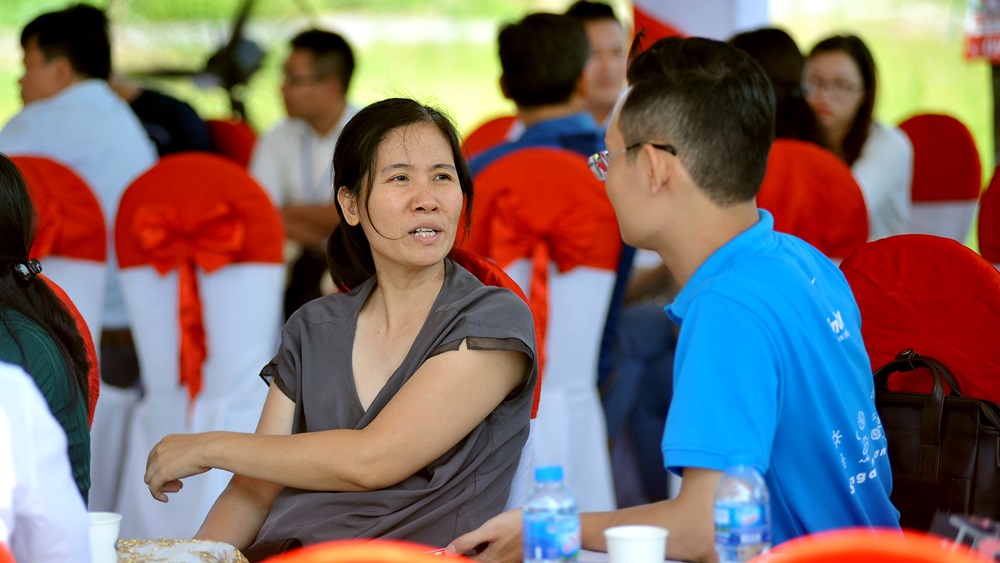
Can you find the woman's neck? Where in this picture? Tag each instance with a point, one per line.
(399, 300)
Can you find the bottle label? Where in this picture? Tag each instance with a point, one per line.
(551, 538)
(741, 525)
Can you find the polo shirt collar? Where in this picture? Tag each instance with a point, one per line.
(570, 124)
(757, 237)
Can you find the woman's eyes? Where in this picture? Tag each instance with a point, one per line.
(442, 177)
(398, 178)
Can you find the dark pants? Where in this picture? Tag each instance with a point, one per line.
(119, 361)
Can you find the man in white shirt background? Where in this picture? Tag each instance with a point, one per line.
(71, 115)
(293, 160)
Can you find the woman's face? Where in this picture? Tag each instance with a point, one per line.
(415, 202)
(834, 89)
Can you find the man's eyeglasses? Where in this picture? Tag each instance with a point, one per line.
(599, 162)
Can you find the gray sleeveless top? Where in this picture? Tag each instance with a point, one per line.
(457, 492)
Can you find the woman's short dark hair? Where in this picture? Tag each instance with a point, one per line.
(776, 52)
(349, 254)
(855, 48)
(713, 103)
(34, 299)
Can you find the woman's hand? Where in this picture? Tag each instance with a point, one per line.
(176, 456)
(502, 534)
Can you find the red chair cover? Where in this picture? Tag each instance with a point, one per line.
(812, 195)
(488, 135)
(544, 204)
(70, 221)
(936, 296)
(946, 163)
(364, 551)
(169, 221)
(94, 374)
(491, 274)
(871, 545)
(232, 138)
(989, 221)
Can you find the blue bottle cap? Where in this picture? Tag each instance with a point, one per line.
(548, 473)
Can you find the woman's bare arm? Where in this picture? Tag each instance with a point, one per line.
(441, 403)
(239, 512)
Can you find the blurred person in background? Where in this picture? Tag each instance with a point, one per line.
(780, 58)
(170, 123)
(37, 333)
(608, 57)
(42, 518)
(840, 83)
(293, 160)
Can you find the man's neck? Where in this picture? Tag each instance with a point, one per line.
(323, 124)
(537, 114)
(694, 245)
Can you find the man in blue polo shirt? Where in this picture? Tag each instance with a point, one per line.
(770, 363)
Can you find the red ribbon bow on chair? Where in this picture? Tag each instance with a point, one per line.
(209, 242)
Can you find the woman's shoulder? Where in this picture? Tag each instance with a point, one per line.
(473, 297)
(886, 141)
(335, 308)
(34, 339)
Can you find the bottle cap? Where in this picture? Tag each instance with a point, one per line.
(548, 473)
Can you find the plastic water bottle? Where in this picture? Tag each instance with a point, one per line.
(551, 520)
(742, 513)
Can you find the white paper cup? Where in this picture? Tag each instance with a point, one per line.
(103, 536)
(636, 544)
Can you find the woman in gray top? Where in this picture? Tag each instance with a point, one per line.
(400, 406)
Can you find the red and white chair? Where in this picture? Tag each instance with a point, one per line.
(947, 176)
(491, 133)
(200, 250)
(868, 545)
(71, 237)
(812, 195)
(989, 222)
(491, 274)
(365, 551)
(936, 296)
(554, 232)
(232, 138)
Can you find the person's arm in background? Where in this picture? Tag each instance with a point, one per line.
(310, 225)
(50, 522)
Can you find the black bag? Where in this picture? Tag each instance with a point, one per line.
(944, 450)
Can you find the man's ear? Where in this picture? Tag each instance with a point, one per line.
(349, 205)
(660, 167)
(65, 74)
(582, 86)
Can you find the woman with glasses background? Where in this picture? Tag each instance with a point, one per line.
(839, 81)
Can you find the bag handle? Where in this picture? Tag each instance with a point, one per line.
(930, 419)
(909, 360)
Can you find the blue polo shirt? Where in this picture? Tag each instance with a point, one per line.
(770, 363)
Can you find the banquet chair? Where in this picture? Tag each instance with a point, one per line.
(200, 249)
(989, 222)
(947, 176)
(554, 232)
(935, 296)
(870, 545)
(812, 195)
(491, 274)
(364, 551)
(71, 237)
(232, 138)
(94, 373)
(488, 135)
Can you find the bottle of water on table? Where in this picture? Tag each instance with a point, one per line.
(551, 520)
(742, 510)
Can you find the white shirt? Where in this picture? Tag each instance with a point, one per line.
(93, 131)
(885, 171)
(42, 515)
(294, 164)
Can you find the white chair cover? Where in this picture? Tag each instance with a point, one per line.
(948, 219)
(242, 314)
(570, 428)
